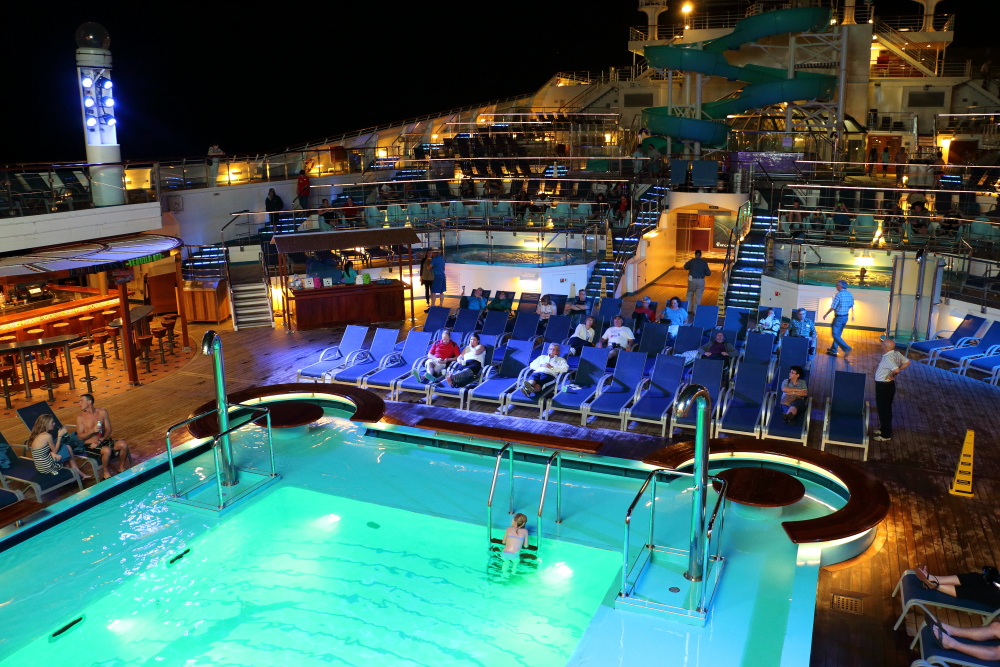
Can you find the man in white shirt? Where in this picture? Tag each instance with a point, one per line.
(889, 367)
(617, 337)
(546, 369)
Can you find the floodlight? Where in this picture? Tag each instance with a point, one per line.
(87, 81)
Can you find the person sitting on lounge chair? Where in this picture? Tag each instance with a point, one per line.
(442, 353)
(547, 368)
(769, 323)
(674, 316)
(946, 634)
(469, 363)
(545, 309)
(718, 348)
(982, 587)
(93, 428)
(51, 453)
(500, 302)
(583, 336)
(793, 394)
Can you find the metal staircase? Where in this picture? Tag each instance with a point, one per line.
(746, 257)
(623, 242)
(250, 296)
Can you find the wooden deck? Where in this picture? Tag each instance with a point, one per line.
(934, 408)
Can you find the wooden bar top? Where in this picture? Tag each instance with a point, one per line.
(57, 311)
(323, 307)
(508, 435)
(345, 290)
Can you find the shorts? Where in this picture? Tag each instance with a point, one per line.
(973, 586)
(439, 284)
(96, 449)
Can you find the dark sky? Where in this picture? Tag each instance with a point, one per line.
(259, 80)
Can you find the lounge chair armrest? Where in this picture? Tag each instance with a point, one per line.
(962, 341)
(419, 362)
(639, 388)
(356, 356)
(968, 342)
(391, 359)
(603, 383)
(992, 350)
(336, 353)
(940, 334)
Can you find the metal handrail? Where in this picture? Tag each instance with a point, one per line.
(557, 457)
(235, 217)
(257, 411)
(496, 471)
(267, 284)
(650, 480)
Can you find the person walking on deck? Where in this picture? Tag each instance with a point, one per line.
(841, 307)
(698, 270)
(892, 363)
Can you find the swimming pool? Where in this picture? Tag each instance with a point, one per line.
(518, 256)
(875, 278)
(298, 575)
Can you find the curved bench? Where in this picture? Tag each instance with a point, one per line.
(867, 504)
(368, 406)
(509, 435)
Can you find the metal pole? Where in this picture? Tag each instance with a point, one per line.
(698, 396)
(922, 263)
(211, 346)
(510, 472)
(170, 462)
(559, 488)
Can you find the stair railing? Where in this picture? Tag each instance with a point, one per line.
(266, 277)
(235, 216)
(744, 219)
(557, 459)
(508, 448)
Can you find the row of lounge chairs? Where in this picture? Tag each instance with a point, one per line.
(964, 349)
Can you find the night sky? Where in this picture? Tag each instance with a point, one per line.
(257, 81)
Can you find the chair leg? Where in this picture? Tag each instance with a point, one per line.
(87, 377)
(6, 394)
(49, 387)
(163, 359)
(104, 357)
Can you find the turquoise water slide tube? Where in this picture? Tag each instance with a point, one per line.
(767, 85)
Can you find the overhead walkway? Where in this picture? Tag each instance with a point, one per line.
(767, 86)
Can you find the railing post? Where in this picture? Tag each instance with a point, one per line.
(697, 396)
(211, 346)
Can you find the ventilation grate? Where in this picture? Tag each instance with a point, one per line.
(847, 603)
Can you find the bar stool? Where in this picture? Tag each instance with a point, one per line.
(86, 321)
(11, 360)
(47, 367)
(159, 333)
(145, 343)
(114, 333)
(101, 337)
(6, 373)
(169, 323)
(85, 359)
(35, 333)
(109, 315)
(8, 339)
(60, 328)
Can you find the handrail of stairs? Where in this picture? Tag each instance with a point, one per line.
(229, 286)
(744, 219)
(234, 218)
(267, 286)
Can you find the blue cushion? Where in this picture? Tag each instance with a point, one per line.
(572, 400)
(352, 373)
(610, 403)
(986, 364)
(847, 428)
(928, 346)
(651, 407)
(741, 417)
(319, 369)
(492, 388)
(776, 426)
(960, 353)
(384, 378)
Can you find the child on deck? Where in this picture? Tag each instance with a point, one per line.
(514, 539)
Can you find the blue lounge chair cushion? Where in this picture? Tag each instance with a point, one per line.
(776, 425)
(847, 428)
(491, 389)
(7, 498)
(321, 368)
(572, 399)
(942, 656)
(986, 364)
(928, 346)
(385, 377)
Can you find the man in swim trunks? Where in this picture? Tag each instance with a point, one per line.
(93, 428)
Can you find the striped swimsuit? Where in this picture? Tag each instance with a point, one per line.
(44, 463)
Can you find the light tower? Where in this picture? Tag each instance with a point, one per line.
(97, 109)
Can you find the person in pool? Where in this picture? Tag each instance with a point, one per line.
(515, 538)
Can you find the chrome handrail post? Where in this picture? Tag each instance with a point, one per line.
(510, 473)
(558, 487)
(211, 346)
(170, 463)
(218, 471)
(270, 442)
(697, 396)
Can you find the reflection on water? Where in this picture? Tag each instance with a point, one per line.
(514, 256)
(874, 278)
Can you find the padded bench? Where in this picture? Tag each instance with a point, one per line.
(510, 435)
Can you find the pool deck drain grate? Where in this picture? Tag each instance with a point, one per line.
(848, 603)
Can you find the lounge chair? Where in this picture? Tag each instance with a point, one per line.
(362, 362)
(706, 317)
(758, 352)
(442, 388)
(912, 594)
(794, 351)
(687, 339)
(654, 397)
(932, 654)
(986, 346)
(775, 427)
(525, 328)
(963, 333)
(398, 365)
(616, 392)
(501, 378)
(517, 398)
(738, 320)
(465, 323)
(743, 408)
(587, 379)
(607, 310)
(653, 342)
(708, 373)
(334, 357)
(845, 421)
(23, 470)
(990, 365)
(495, 323)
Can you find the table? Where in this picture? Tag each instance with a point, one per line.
(761, 488)
(135, 314)
(42, 343)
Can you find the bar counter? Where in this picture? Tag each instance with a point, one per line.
(18, 319)
(323, 307)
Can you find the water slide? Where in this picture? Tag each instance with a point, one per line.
(767, 85)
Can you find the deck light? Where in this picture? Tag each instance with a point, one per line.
(687, 8)
(88, 101)
(104, 83)
(107, 101)
(91, 121)
(87, 82)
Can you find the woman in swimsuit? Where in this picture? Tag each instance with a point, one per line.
(514, 539)
(48, 453)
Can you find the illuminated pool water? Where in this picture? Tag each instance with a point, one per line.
(344, 582)
(517, 256)
(875, 278)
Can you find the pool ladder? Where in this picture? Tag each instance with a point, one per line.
(497, 544)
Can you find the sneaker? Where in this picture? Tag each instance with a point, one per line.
(528, 389)
(877, 432)
(879, 438)
(832, 352)
(418, 376)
